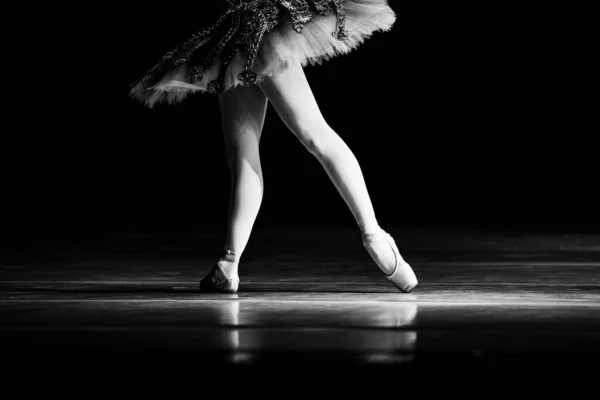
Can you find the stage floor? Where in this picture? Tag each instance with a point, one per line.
(488, 303)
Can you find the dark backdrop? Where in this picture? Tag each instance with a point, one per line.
(460, 116)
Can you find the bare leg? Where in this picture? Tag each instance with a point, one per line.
(243, 111)
(292, 98)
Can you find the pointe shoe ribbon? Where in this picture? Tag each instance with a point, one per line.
(403, 277)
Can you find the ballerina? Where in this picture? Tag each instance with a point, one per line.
(253, 53)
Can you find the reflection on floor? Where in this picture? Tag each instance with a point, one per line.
(487, 304)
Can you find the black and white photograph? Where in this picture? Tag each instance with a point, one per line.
(300, 197)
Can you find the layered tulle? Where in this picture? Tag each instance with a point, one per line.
(278, 48)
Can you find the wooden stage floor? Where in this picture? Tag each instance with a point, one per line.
(489, 304)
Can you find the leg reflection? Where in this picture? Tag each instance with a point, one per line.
(376, 333)
(228, 317)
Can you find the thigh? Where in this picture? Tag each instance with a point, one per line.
(243, 111)
(290, 94)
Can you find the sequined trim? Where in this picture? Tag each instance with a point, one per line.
(246, 22)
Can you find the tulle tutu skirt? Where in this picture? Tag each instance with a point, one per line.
(293, 39)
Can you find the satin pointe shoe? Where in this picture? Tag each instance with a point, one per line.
(403, 277)
(217, 281)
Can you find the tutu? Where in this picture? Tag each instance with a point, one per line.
(253, 39)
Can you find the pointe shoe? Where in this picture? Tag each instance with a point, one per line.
(403, 277)
(217, 281)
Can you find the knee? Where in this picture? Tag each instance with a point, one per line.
(238, 156)
(233, 161)
(242, 152)
(237, 160)
(314, 135)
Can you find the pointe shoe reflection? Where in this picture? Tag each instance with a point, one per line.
(387, 358)
(403, 314)
(399, 345)
(397, 316)
(393, 315)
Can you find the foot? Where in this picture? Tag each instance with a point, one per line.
(384, 252)
(223, 278)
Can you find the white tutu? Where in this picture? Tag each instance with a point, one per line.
(278, 47)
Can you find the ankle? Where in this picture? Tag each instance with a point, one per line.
(369, 228)
(230, 256)
(229, 262)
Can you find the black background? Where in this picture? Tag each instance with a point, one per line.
(462, 115)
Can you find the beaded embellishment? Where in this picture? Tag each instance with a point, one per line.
(240, 28)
